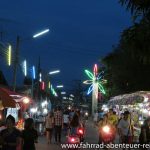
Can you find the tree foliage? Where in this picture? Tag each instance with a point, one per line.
(128, 66)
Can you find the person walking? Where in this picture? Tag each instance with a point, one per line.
(29, 135)
(10, 138)
(49, 127)
(66, 121)
(125, 128)
(74, 124)
(144, 137)
(58, 124)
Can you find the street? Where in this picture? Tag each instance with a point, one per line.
(73, 63)
(91, 137)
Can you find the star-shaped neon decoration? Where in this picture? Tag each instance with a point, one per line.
(95, 77)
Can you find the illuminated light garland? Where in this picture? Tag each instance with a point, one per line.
(90, 75)
(53, 91)
(90, 89)
(9, 55)
(25, 67)
(43, 85)
(40, 77)
(33, 72)
(95, 78)
(49, 85)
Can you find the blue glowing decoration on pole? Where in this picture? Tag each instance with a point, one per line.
(33, 72)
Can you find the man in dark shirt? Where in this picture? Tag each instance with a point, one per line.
(10, 137)
(29, 135)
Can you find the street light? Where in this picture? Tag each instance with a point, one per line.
(54, 72)
(59, 86)
(26, 100)
(63, 93)
(40, 33)
(33, 110)
(45, 111)
(71, 95)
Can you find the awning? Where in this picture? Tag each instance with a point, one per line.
(10, 99)
(130, 99)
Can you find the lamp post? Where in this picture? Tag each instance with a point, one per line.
(16, 61)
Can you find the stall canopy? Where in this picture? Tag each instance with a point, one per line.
(130, 99)
(10, 99)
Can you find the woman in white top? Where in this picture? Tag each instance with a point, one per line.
(49, 126)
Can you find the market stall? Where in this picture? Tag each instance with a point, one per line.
(137, 103)
(12, 103)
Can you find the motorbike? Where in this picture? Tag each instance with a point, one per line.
(76, 138)
(107, 134)
(81, 133)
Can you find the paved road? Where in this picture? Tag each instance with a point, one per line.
(91, 137)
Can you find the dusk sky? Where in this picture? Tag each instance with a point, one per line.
(82, 31)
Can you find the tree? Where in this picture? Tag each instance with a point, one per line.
(128, 66)
(139, 8)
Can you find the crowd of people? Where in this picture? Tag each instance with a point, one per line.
(122, 128)
(56, 121)
(68, 121)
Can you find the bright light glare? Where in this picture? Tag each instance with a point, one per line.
(145, 99)
(106, 129)
(33, 110)
(70, 98)
(59, 86)
(40, 33)
(71, 95)
(63, 93)
(26, 100)
(9, 55)
(44, 103)
(25, 67)
(54, 72)
(40, 77)
(72, 140)
(45, 111)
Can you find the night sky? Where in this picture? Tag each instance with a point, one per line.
(82, 31)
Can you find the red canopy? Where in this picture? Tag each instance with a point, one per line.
(10, 99)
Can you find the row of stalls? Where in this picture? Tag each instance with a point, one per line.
(12, 103)
(138, 103)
